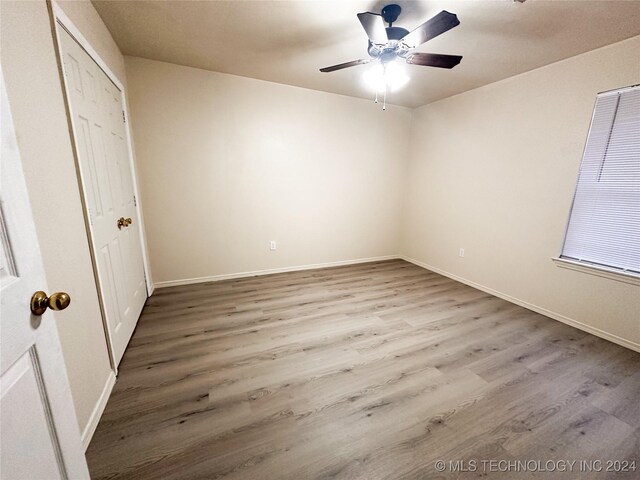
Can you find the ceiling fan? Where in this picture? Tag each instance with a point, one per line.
(387, 44)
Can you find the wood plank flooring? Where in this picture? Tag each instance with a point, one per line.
(371, 371)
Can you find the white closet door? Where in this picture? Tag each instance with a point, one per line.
(99, 129)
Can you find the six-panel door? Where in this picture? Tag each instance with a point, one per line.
(98, 123)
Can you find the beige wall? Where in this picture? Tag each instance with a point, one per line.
(493, 171)
(35, 97)
(228, 163)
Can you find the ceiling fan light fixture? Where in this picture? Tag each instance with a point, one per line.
(388, 76)
(390, 49)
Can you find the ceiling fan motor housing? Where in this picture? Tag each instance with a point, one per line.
(393, 48)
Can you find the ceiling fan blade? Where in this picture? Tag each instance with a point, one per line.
(431, 28)
(373, 24)
(340, 66)
(433, 60)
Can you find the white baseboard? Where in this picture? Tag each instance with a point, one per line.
(229, 276)
(92, 424)
(548, 313)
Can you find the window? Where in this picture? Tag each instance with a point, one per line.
(604, 225)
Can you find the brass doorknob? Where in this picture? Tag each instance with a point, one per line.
(57, 301)
(124, 222)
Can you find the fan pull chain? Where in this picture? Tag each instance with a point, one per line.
(376, 101)
(384, 95)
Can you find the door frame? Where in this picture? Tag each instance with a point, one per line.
(61, 20)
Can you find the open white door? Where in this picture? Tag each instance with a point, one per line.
(39, 434)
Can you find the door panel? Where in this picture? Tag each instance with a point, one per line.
(24, 404)
(87, 151)
(39, 431)
(105, 169)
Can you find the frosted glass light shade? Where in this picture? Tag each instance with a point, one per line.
(390, 75)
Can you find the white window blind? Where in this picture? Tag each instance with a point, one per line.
(604, 226)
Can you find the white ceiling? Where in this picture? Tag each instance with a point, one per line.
(288, 41)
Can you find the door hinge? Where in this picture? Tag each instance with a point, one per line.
(124, 118)
(135, 203)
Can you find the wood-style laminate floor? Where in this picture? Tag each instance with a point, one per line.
(372, 371)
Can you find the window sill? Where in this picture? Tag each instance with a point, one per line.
(610, 273)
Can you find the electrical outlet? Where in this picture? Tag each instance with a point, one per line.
(461, 252)
(272, 245)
